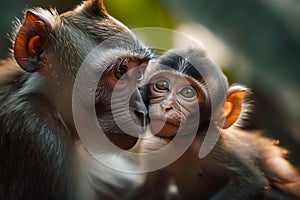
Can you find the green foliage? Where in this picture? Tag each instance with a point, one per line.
(140, 13)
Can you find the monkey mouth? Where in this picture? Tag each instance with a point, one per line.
(173, 123)
(124, 142)
(163, 128)
(167, 120)
(173, 119)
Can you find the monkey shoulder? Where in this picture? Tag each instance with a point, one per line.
(9, 71)
(18, 99)
(26, 118)
(252, 142)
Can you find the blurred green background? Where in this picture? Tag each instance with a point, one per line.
(256, 42)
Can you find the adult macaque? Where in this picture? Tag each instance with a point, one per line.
(39, 144)
(240, 165)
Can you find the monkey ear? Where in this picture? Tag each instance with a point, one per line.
(233, 105)
(31, 40)
(98, 8)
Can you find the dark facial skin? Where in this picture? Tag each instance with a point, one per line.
(173, 98)
(122, 79)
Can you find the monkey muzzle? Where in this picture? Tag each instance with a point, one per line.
(164, 124)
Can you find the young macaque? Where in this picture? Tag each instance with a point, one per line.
(189, 94)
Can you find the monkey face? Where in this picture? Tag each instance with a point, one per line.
(119, 105)
(173, 98)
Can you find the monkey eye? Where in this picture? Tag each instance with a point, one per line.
(121, 71)
(188, 92)
(162, 85)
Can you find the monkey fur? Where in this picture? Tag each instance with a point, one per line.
(241, 164)
(41, 155)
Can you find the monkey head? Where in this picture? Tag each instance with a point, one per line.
(182, 83)
(51, 48)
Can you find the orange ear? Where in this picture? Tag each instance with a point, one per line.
(233, 104)
(30, 42)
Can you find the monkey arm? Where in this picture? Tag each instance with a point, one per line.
(271, 160)
(247, 181)
(283, 177)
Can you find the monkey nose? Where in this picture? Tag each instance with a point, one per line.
(141, 113)
(142, 117)
(140, 107)
(166, 105)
